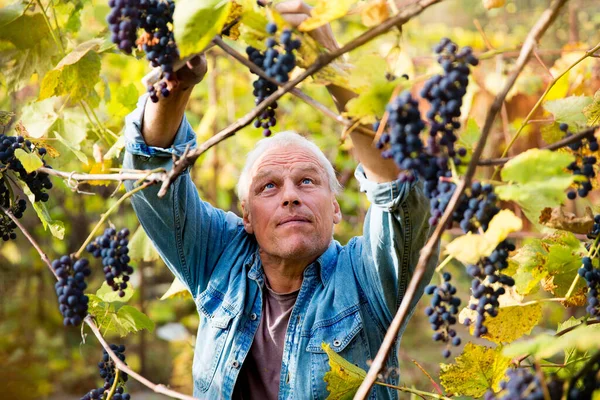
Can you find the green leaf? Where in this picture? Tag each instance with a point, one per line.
(552, 133)
(57, 228)
(108, 295)
(569, 110)
(530, 259)
(592, 111)
(196, 22)
(562, 263)
(343, 378)
(75, 75)
(324, 12)
(10, 13)
(39, 117)
(538, 180)
(141, 247)
(470, 136)
(177, 290)
(5, 117)
(510, 324)
(74, 148)
(476, 370)
(25, 31)
(30, 161)
(118, 317)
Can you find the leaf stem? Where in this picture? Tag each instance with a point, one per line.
(525, 122)
(107, 213)
(114, 386)
(94, 128)
(58, 43)
(415, 391)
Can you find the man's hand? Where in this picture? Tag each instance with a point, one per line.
(296, 11)
(192, 73)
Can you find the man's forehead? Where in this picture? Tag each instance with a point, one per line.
(292, 158)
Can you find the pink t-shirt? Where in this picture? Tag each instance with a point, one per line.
(259, 377)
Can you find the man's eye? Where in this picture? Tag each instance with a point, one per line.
(307, 180)
(269, 186)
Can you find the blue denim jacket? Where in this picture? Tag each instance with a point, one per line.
(348, 296)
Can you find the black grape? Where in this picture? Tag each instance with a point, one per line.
(442, 312)
(7, 225)
(112, 247)
(592, 278)
(486, 273)
(108, 372)
(277, 61)
(123, 21)
(583, 165)
(524, 384)
(73, 303)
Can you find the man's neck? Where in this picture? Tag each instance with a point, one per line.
(284, 275)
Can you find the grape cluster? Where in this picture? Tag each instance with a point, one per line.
(486, 273)
(476, 209)
(73, 303)
(37, 182)
(112, 247)
(586, 387)
(595, 228)
(123, 20)
(523, 384)
(155, 17)
(583, 165)
(7, 225)
(442, 312)
(276, 64)
(592, 278)
(108, 372)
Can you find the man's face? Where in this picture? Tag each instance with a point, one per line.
(290, 207)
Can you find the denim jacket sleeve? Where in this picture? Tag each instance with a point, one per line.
(395, 229)
(189, 234)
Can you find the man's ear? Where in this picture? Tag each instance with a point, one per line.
(247, 218)
(337, 212)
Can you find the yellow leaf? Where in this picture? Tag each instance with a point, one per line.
(344, 378)
(510, 324)
(177, 290)
(470, 248)
(476, 370)
(489, 4)
(30, 161)
(100, 168)
(374, 13)
(324, 12)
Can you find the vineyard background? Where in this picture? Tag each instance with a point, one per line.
(42, 359)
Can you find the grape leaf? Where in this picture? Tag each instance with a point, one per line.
(469, 248)
(537, 179)
(510, 324)
(30, 161)
(592, 111)
(374, 13)
(118, 317)
(39, 117)
(141, 247)
(57, 228)
(324, 12)
(10, 13)
(551, 133)
(569, 110)
(344, 378)
(108, 295)
(476, 370)
(530, 259)
(196, 22)
(177, 290)
(562, 263)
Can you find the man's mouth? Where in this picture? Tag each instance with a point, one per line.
(293, 220)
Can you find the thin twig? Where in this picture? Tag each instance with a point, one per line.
(434, 383)
(320, 63)
(537, 31)
(554, 146)
(122, 176)
(414, 391)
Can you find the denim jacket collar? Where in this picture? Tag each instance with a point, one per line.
(325, 263)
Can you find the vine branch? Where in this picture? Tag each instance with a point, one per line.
(536, 32)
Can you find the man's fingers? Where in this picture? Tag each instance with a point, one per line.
(294, 19)
(292, 7)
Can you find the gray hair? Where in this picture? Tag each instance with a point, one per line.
(283, 139)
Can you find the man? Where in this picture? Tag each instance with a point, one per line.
(273, 286)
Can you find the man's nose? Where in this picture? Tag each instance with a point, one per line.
(290, 195)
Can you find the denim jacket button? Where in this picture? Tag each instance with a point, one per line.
(235, 364)
(253, 316)
(336, 343)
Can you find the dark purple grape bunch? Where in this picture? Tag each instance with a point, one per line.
(7, 225)
(445, 94)
(442, 313)
(73, 303)
(159, 43)
(487, 272)
(584, 164)
(123, 21)
(524, 384)
(112, 247)
(38, 182)
(108, 373)
(477, 209)
(592, 278)
(277, 61)
(402, 140)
